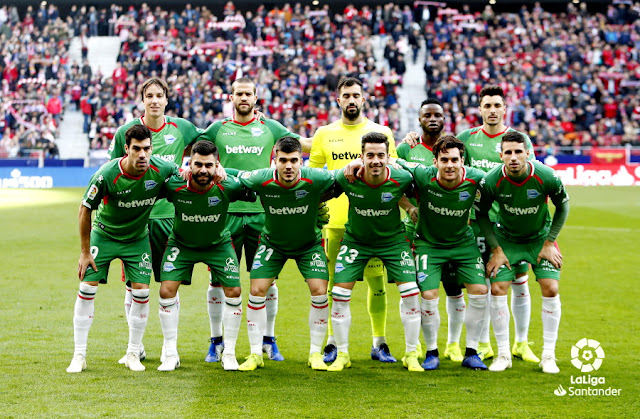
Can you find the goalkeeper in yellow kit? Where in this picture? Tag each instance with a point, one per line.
(335, 145)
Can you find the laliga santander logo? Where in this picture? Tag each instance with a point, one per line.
(587, 355)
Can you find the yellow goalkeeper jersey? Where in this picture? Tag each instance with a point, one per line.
(336, 145)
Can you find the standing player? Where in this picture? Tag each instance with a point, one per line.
(523, 232)
(335, 145)
(374, 229)
(244, 143)
(431, 119)
(123, 191)
(483, 152)
(199, 235)
(170, 136)
(445, 241)
(290, 195)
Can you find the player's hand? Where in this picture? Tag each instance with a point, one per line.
(413, 213)
(352, 170)
(412, 138)
(220, 174)
(497, 259)
(551, 253)
(394, 164)
(185, 173)
(323, 215)
(259, 115)
(84, 262)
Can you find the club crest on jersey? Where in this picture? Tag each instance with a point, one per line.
(256, 131)
(464, 195)
(169, 139)
(499, 148)
(532, 193)
(150, 184)
(386, 196)
(301, 194)
(168, 267)
(214, 200)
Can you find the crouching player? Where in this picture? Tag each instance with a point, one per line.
(290, 195)
(199, 235)
(443, 236)
(524, 232)
(374, 229)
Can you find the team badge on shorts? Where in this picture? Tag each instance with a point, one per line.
(214, 200)
(150, 184)
(422, 276)
(168, 267)
(386, 196)
(339, 267)
(256, 264)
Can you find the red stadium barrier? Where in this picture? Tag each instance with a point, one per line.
(599, 174)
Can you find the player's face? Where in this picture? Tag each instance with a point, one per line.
(492, 109)
(139, 154)
(351, 101)
(244, 98)
(514, 156)
(449, 164)
(203, 168)
(375, 158)
(431, 118)
(288, 166)
(154, 100)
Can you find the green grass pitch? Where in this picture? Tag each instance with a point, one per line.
(40, 249)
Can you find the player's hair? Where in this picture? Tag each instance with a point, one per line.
(348, 82)
(375, 138)
(513, 137)
(491, 90)
(447, 142)
(137, 132)
(158, 82)
(288, 145)
(243, 80)
(431, 101)
(205, 148)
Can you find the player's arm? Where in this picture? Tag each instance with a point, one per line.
(482, 207)
(84, 224)
(409, 208)
(116, 148)
(560, 199)
(306, 144)
(238, 191)
(411, 139)
(317, 157)
(529, 144)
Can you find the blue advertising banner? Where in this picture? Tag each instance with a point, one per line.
(46, 177)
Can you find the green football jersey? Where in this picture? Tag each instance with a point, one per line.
(444, 213)
(290, 212)
(482, 151)
(124, 202)
(168, 143)
(201, 216)
(246, 147)
(374, 215)
(421, 153)
(524, 212)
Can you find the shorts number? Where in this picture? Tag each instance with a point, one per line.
(423, 259)
(174, 254)
(353, 254)
(261, 250)
(94, 251)
(482, 246)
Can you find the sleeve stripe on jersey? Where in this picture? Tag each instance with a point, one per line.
(538, 179)
(181, 188)
(116, 179)
(221, 187)
(394, 181)
(470, 180)
(309, 181)
(172, 123)
(152, 167)
(105, 199)
(267, 182)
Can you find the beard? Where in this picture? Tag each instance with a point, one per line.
(241, 112)
(203, 180)
(352, 113)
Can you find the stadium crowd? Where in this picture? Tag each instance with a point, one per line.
(573, 81)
